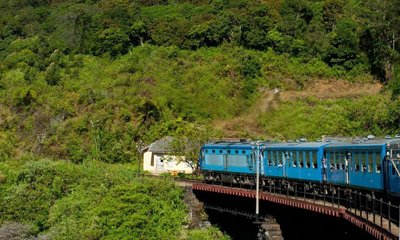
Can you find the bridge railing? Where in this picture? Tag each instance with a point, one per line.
(367, 206)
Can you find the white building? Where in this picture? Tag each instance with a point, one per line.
(156, 159)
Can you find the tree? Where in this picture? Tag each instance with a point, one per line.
(53, 74)
(169, 30)
(332, 12)
(256, 25)
(187, 143)
(138, 33)
(344, 46)
(114, 41)
(380, 39)
(394, 85)
(210, 33)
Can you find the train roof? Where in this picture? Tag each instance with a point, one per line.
(374, 143)
(363, 144)
(268, 145)
(300, 145)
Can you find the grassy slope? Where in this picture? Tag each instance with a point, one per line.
(322, 107)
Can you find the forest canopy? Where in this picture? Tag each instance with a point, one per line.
(90, 79)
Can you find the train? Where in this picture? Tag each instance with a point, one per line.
(370, 165)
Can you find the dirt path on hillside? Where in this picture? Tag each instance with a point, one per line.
(333, 89)
(246, 125)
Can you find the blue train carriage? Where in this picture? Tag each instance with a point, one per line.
(300, 161)
(356, 164)
(392, 167)
(224, 160)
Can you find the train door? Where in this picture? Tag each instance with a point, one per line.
(337, 169)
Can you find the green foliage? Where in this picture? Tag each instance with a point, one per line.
(313, 118)
(188, 140)
(394, 85)
(26, 96)
(211, 62)
(52, 74)
(7, 146)
(58, 199)
(344, 46)
(206, 234)
(114, 41)
(301, 28)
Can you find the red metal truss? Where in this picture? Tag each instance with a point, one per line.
(317, 207)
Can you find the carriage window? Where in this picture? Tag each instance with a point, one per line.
(229, 151)
(364, 159)
(343, 161)
(314, 159)
(243, 152)
(370, 161)
(271, 157)
(308, 157)
(352, 163)
(236, 151)
(301, 159)
(338, 159)
(220, 151)
(364, 162)
(276, 158)
(279, 157)
(289, 158)
(295, 158)
(268, 157)
(377, 162)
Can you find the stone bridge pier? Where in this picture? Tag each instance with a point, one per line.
(269, 230)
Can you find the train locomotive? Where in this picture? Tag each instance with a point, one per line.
(371, 166)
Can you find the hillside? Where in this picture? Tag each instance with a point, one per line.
(84, 83)
(251, 123)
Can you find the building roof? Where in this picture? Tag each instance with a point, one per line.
(162, 145)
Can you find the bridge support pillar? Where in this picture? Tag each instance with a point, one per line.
(270, 230)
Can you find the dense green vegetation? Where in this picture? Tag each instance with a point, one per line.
(344, 34)
(60, 200)
(86, 82)
(89, 79)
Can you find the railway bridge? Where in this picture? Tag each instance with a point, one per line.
(374, 216)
